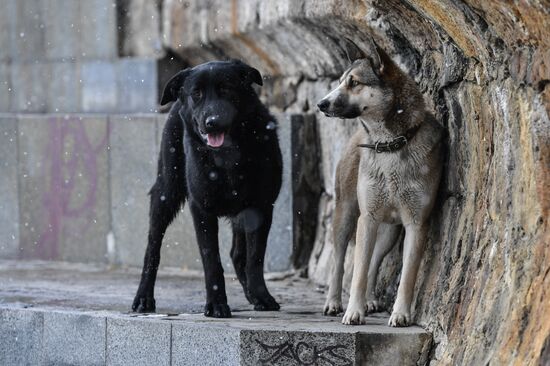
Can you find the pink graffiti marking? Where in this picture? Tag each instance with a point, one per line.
(66, 165)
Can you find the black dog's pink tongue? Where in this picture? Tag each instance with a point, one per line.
(215, 139)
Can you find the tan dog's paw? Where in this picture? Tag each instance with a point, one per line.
(399, 319)
(373, 306)
(333, 307)
(354, 316)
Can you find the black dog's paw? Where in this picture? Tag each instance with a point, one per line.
(217, 310)
(143, 304)
(266, 303)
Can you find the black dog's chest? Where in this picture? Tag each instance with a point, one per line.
(222, 183)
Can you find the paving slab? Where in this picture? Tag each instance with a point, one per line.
(46, 299)
(21, 336)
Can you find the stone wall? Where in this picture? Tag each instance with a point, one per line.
(484, 68)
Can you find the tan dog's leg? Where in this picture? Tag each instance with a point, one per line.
(385, 241)
(345, 220)
(413, 248)
(364, 245)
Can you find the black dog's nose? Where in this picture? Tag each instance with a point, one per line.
(211, 120)
(323, 105)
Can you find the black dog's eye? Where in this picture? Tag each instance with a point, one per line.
(196, 94)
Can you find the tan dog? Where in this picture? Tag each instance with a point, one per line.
(387, 177)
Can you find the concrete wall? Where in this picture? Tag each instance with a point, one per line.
(74, 187)
(62, 56)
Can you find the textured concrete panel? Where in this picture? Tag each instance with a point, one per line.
(279, 244)
(197, 344)
(9, 205)
(61, 29)
(137, 85)
(99, 88)
(21, 337)
(64, 87)
(28, 81)
(7, 29)
(138, 342)
(392, 349)
(5, 87)
(74, 339)
(28, 36)
(98, 37)
(133, 158)
(63, 185)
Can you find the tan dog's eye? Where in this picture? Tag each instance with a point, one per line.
(353, 83)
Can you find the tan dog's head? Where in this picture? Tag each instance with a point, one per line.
(365, 88)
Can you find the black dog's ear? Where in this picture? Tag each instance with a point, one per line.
(353, 52)
(172, 87)
(249, 74)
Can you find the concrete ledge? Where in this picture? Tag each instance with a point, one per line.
(60, 313)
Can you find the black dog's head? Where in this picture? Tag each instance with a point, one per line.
(212, 95)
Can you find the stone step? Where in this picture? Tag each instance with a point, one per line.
(59, 313)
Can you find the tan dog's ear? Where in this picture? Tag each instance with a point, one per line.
(377, 57)
(353, 52)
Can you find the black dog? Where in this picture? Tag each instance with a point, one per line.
(220, 152)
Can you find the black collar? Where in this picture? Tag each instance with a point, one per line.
(393, 145)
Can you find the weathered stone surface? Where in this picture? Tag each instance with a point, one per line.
(73, 339)
(484, 72)
(98, 35)
(5, 87)
(25, 22)
(29, 87)
(138, 342)
(63, 187)
(21, 337)
(99, 86)
(9, 205)
(61, 29)
(139, 27)
(133, 157)
(137, 85)
(64, 87)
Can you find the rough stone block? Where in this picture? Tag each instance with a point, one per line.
(27, 35)
(138, 342)
(5, 87)
(99, 87)
(196, 344)
(29, 87)
(98, 36)
(74, 339)
(133, 171)
(64, 87)
(21, 337)
(392, 348)
(9, 205)
(137, 85)
(61, 29)
(63, 185)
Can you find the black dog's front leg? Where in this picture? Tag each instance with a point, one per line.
(206, 229)
(257, 224)
(164, 207)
